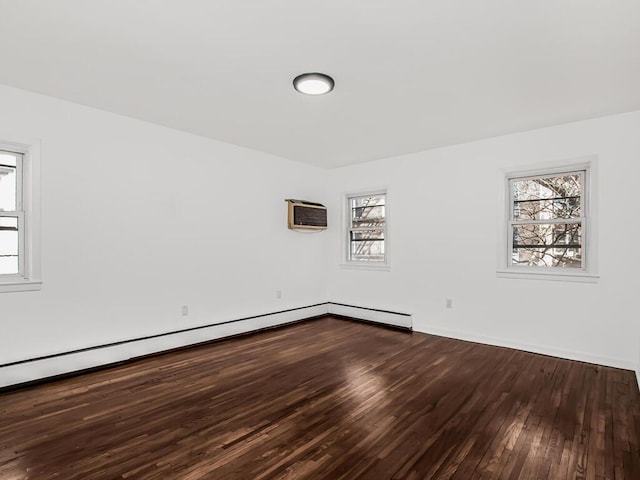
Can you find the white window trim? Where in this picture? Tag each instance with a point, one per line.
(30, 277)
(589, 272)
(347, 263)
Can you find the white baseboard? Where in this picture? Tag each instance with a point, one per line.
(543, 350)
(27, 371)
(396, 319)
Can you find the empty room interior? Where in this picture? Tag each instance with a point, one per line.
(349, 240)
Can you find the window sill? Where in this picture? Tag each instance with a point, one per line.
(19, 285)
(365, 266)
(579, 277)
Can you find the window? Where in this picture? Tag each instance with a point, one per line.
(19, 217)
(11, 214)
(549, 223)
(547, 220)
(367, 229)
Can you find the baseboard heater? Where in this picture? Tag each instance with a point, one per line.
(385, 317)
(47, 367)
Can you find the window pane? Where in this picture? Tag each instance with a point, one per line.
(372, 216)
(8, 245)
(7, 187)
(368, 245)
(550, 245)
(367, 200)
(546, 198)
(368, 211)
(8, 159)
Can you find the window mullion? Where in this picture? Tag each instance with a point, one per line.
(550, 175)
(555, 221)
(19, 183)
(21, 245)
(10, 213)
(366, 229)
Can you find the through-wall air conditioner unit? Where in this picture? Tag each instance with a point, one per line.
(304, 215)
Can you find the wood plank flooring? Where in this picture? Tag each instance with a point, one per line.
(328, 399)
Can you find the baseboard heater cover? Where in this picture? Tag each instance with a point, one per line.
(24, 372)
(386, 317)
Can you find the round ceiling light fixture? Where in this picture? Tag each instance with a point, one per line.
(313, 83)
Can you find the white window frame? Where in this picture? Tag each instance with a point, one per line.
(588, 273)
(28, 212)
(346, 250)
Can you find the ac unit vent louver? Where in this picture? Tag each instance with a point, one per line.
(304, 215)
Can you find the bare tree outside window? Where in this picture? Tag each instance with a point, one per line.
(547, 220)
(367, 228)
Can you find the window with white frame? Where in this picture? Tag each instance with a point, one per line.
(367, 228)
(19, 217)
(11, 214)
(548, 221)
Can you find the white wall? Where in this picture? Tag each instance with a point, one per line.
(444, 212)
(138, 220)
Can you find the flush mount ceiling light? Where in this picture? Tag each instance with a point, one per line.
(313, 83)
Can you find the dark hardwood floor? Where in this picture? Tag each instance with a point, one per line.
(328, 399)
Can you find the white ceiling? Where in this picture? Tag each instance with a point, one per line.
(410, 75)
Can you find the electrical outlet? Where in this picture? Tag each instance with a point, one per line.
(184, 310)
(278, 293)
(449, 303)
